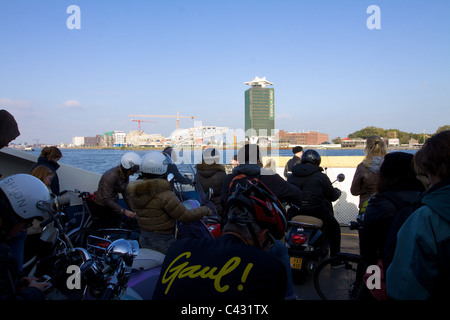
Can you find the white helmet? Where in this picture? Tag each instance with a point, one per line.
(131, 160)
(23, 192)
(155, 162)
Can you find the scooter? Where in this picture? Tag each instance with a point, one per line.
(306, 243)
(143, 272)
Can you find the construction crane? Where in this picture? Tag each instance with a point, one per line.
(177, 116)
(139, 123)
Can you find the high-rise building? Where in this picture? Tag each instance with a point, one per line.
(259, 108)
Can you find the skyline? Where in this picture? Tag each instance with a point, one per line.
(331, 72)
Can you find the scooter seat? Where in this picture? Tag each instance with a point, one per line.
(308, 219)
(148, 259)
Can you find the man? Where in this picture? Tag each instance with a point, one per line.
(318, 195)
(113, 182)
(235, 266)
(296, 159)
(249, 168)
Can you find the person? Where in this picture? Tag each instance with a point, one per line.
(397, 188)
(33, 233)
(172, 167)
(318, 195)
(237, 265)
(210, 173)
(250, 168)
(234, 161)
(367, 172)
(296, 159)
(19, 195)
(114, 181)
(49, 158)
(157, 206)
(421, 263)
(9, 129)
(249, 159)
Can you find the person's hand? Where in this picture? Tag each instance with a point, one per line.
(28, 282)
(130, 214)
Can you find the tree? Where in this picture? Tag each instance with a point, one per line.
(443, 128)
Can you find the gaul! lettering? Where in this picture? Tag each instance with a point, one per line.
(179, 269)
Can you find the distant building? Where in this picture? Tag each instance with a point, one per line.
(353, 143)
(302, 138)
(78, 141)
(259, 108)
(394, 142)
(90, 141)
(119, 138)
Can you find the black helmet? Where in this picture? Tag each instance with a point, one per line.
(312, 157)
(262, 207)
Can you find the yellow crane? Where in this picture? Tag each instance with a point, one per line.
(163, 116)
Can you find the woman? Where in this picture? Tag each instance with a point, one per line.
(367, 172)
(156, 206)
(49, 158)
(398, 188)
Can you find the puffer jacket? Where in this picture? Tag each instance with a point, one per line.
(157, 207)
(212, 176)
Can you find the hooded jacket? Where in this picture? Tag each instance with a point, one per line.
(157, 207)
(421, 265)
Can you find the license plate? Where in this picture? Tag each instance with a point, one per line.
(296, 263)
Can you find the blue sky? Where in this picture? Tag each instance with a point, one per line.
(330, 72)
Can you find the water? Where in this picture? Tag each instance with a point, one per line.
(100, 160)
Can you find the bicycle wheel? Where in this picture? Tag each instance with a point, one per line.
(339, 277)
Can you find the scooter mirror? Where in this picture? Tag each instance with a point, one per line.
(340, 177)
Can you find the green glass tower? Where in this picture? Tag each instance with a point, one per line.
(259, 109)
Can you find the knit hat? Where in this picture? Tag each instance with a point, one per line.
(297, 149)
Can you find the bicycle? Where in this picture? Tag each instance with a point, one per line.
(341, 277)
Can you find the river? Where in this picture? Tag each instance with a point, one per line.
(100, 160)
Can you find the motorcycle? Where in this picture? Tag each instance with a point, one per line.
(306, 242)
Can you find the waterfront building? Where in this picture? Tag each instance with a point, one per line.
(302, 138)
(259, 109)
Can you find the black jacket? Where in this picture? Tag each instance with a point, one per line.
(290, 164)
(316, 186)
(380, 213)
